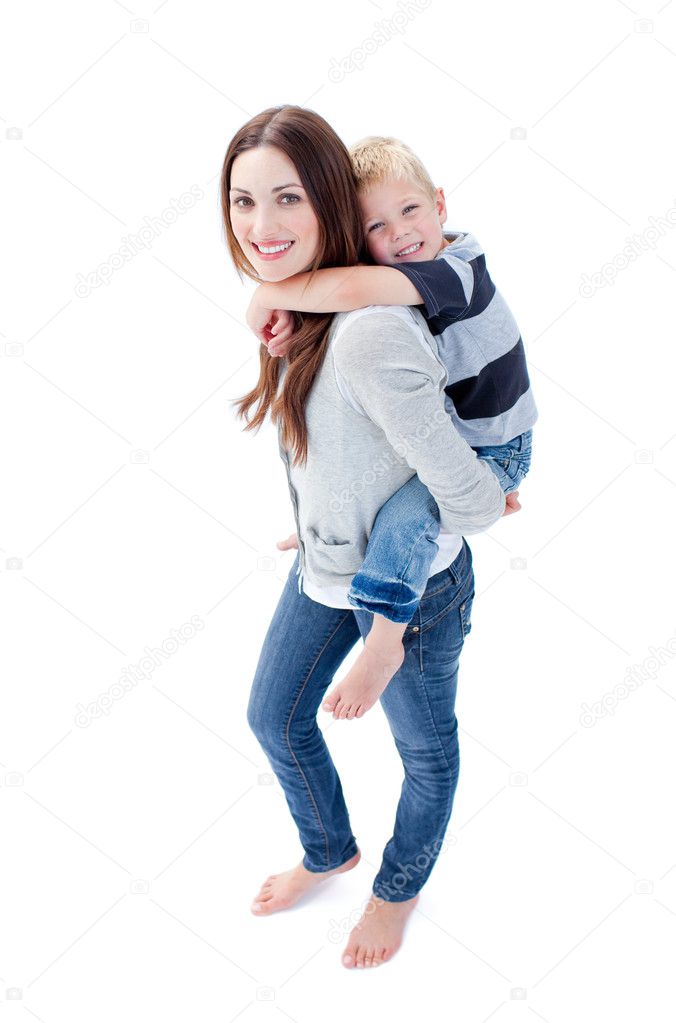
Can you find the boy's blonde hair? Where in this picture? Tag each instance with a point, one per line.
(376, 158)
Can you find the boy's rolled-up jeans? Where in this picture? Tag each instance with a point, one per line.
(402, 544)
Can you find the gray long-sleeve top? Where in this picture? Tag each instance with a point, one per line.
(375, 417)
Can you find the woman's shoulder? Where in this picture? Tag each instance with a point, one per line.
(375, 321)
(342, 321)
(374, 325)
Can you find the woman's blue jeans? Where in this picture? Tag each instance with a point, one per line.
(304, 646)
(402, 544)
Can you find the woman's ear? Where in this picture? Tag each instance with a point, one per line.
(441, 205)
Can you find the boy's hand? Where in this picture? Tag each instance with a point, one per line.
(272, 327)
(291, 541)
(511, 503)
(281, 332)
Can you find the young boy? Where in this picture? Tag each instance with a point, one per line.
(488, 392)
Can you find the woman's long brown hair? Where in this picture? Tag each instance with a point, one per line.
(325, 170)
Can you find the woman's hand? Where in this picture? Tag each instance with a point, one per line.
(286, 545)
(511, 503)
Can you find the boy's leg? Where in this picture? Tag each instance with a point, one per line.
(402, 546)
(400, 550)
(389, 585)
(510, 462)
(394, 574)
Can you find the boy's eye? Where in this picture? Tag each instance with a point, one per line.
(413, 206)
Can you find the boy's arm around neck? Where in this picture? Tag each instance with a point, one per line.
(339, 289)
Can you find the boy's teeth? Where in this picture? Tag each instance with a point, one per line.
(411, 248)
(274, 248)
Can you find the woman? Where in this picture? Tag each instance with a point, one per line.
(359, 408)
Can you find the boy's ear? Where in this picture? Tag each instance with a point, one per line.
(441, 205)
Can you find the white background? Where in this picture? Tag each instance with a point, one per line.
(133, 843)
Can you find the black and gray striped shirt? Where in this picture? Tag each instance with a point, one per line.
(488, 392)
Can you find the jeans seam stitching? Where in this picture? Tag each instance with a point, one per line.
(429, 709)
(461, 595)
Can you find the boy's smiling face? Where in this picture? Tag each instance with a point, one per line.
(401, 223)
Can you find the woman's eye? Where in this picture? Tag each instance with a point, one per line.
(289, 196)
(242, 198)
(374, 226)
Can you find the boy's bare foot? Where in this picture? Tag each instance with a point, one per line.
(366, 680)
(379, 933)
(280, 891)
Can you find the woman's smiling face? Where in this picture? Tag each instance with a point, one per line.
(271, 215)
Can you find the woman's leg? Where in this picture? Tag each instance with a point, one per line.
(400, 550)
(304, 645)
(419, 704)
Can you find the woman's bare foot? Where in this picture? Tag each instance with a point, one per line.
(379, 933)
(280, 891)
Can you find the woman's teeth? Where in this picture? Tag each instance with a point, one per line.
(268, 250)
(410, 249)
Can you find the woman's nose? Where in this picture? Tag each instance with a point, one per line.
(266, 223)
